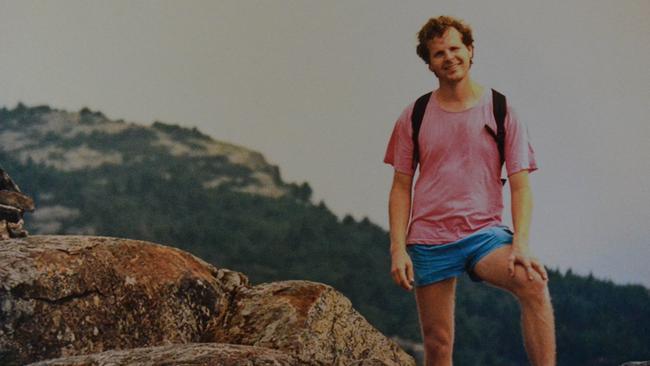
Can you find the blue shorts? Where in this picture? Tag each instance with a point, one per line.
(433, 263)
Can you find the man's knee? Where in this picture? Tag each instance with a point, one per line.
(438, 341)
(525, 289)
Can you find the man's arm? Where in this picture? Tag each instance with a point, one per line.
(522, 206)
(399, 210)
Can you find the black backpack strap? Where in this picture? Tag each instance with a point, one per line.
(500, 108)
(416, 121)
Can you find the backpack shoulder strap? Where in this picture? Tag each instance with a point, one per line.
(416, 121)
(500, 108)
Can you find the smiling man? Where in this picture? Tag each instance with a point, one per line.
(460, 140)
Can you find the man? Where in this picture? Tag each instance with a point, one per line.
(455, 224)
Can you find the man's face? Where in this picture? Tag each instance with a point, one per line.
(449, 58)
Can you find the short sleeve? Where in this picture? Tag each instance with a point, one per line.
(518, 148)
(399, 152)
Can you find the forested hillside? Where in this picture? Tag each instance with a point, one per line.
(228, 206)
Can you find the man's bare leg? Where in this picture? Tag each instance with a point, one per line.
(536, 310)
(435, 304)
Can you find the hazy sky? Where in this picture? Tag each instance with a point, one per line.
(316, 87)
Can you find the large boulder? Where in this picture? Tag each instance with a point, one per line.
(310, 320)
(70, 295)
(205, 354)
(78, 295)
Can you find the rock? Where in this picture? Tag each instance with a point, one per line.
(66, 296)
(636, 363)
(9, 210)
(9, 229)
(16, 230)
(13, 203)
(6, 183)
(71, 295)
(369, 362)
(17, 200)
(309, 320)
(414, 349)
(206, 354)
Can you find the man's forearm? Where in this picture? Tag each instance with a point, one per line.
(399, 209)
(522, 207)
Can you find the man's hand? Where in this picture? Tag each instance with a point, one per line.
(522, 256)
(402, 269)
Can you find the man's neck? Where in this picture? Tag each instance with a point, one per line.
(464, 91)
(460, 96)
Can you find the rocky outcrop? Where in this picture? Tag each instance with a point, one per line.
(309, 320)
(69, 295)
(206, 354)
(65, 296)
(13, 204)
(415, 349)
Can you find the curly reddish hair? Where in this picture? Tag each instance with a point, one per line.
(436, 27)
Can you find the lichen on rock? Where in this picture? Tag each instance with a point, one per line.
(63, 296)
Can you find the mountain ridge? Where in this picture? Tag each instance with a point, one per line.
(41, 125)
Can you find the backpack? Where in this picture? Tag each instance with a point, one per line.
(499, 109)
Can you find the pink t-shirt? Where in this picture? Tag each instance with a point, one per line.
(458, 190)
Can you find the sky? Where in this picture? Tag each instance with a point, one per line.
(316, 86)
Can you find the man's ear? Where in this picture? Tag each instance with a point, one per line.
(471, 52)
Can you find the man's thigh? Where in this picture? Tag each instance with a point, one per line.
(435, 304)
(493, 269)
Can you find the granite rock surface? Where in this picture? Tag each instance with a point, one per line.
(65, 296)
